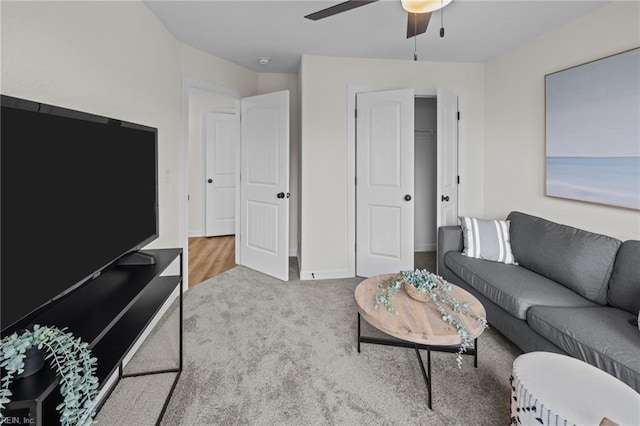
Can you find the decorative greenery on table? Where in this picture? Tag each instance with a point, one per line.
(439, 292)
(70, 358)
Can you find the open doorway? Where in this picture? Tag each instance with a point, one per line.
(210, 256)
(426, 182)
(209, 253)
(264, 134)
(385, 166)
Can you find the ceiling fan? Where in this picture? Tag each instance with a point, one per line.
(418, 13)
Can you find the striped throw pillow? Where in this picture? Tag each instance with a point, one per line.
(487, 239)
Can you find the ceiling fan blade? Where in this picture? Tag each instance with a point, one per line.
(338, 8)
(417, 23)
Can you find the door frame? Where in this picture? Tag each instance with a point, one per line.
(183, 215)
(352, 92)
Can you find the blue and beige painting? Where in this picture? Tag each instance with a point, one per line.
(593, 131)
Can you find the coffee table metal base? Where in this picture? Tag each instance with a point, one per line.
(426, 374)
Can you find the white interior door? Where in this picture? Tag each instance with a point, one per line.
(447, 191)
(385, 182)
(264, 184)
(222, 137)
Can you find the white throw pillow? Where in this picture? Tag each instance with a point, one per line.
(487, 239)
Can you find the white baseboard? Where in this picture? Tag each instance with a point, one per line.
(196, 233)
(425, 247)
(293, 252)
(107, 387)
(325, 275)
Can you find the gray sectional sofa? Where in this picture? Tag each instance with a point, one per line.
(573, 292)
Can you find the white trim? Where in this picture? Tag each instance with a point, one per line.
(293, 252)
(219, 111)
(238, 183)
(196, 233)
(352, 91)
(351, 180)
(196, 83)
(325, 275)
(461, 145)
(107, 387)
(426, 93)
(203, 165)
(426, 247)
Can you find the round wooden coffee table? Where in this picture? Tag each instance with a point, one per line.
(417, 324)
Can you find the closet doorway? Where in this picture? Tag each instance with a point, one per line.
(426, 182)
(405, 175)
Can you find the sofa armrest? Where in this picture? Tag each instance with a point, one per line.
(449, 239)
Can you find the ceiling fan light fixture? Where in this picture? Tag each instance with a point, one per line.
(423, 6)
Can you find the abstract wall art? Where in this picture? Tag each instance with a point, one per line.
(593, 131)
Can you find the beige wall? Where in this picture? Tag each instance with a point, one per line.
(210, 83)
(514, 154)
(325, 82)
(198, 65)
(108, 58)
(117, 59)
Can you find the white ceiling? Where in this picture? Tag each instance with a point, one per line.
(241, 31)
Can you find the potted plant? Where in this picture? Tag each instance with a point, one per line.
(69, 357)
(428, 287)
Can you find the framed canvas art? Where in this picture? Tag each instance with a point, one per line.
(593, 131)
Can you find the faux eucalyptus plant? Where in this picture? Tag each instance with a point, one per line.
(69, 357)
(439, 292)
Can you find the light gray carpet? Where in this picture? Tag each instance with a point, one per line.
(258, 351)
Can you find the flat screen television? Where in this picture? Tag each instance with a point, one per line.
(79, 191)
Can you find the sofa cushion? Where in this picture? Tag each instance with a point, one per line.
(577, 259)
(514, 288)
(601, 336)
(486, 239)
(624, 287)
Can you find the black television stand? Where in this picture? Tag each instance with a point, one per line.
(137, 258)
(110, 313)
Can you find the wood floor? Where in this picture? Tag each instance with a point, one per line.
(210, 256)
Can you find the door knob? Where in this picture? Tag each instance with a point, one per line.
(280, 195)
(444, 198)
(407, 197)
(210, 180)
